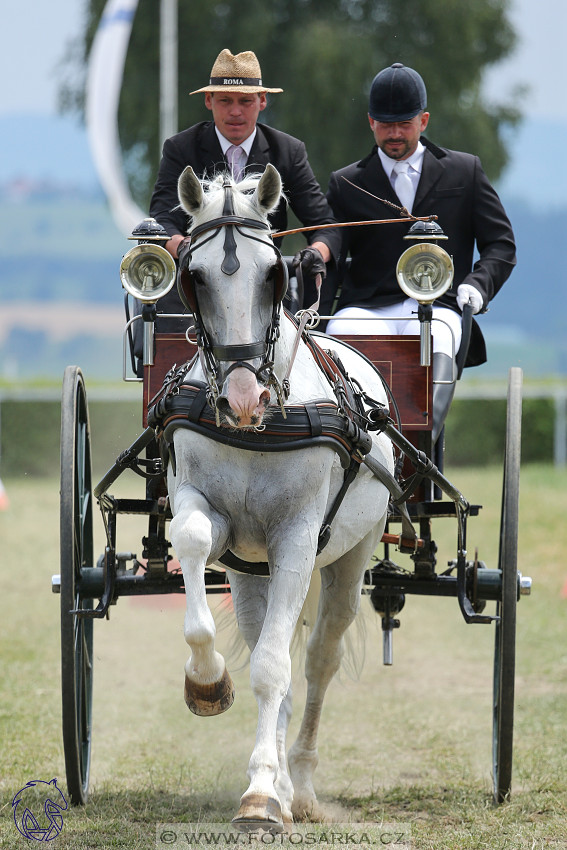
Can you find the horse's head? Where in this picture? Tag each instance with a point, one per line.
(234, 285)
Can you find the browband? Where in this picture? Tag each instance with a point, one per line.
(217, 223)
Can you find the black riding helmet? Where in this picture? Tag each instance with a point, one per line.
(397, 94)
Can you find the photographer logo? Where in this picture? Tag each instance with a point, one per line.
(37, 809)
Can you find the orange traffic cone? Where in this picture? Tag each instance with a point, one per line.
(4, 501)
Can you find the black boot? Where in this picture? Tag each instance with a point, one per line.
(444, 370)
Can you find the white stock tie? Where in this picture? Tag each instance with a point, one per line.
(403, 185)
(237, 159)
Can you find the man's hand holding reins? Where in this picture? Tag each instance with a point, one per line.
(311, 261)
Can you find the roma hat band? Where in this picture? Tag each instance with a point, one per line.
(236, 81)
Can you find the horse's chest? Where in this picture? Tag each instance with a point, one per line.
(255, 490)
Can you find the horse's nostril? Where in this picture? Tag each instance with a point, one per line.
(223, 406)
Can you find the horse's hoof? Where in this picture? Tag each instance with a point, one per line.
(208, 700)
(258, 811)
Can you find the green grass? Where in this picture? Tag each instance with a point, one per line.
(407, 744)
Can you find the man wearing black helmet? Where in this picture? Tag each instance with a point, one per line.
(434, 181)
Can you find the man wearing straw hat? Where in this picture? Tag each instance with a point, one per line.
(234, 141)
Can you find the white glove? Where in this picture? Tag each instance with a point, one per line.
(467, 294)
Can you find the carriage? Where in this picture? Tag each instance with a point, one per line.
(413, 491)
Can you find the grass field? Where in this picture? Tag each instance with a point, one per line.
(409, 744)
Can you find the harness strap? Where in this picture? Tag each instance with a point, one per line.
(216, 223)
(388, 480)
(313, 423)
(305, 317)
(246, 351)
(325, 530)
(332, 368)
(314, 418)
(198, 405)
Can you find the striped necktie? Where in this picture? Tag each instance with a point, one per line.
(237, 158)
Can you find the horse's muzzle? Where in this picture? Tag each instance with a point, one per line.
(243, 401)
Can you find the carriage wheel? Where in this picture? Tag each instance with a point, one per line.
(76, 542)
(505, 637)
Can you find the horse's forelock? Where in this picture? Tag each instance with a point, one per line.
(242, 197)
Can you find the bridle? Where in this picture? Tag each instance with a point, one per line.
(211, 355)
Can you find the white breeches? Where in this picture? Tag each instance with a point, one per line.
(400, 319)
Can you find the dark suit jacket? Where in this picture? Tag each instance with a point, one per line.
(454, 187)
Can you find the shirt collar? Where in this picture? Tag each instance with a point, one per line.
(415, 160)
(245, 145)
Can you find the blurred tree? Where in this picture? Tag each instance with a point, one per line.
(324, 54)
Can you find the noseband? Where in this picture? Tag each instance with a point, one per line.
(212, 355)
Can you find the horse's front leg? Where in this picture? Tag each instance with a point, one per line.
(195, 532)
(270, 678)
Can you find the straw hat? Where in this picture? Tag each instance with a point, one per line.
(236, 73)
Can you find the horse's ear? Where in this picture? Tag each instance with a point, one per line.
(190, 191)
(269, 189)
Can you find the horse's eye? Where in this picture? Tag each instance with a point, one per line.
(197, 279)
(272, 272)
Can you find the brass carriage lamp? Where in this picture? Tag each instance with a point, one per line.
(147, 273)
(425, 272)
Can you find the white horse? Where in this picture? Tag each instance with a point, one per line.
(264, 506)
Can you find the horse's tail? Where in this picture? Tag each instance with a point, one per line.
(238, 653)
(354, 640)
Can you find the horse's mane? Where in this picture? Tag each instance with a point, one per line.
(243, 196)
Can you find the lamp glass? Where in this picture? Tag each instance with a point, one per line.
(147, 272)
(425, 272)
